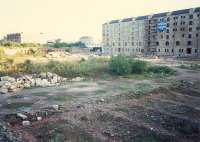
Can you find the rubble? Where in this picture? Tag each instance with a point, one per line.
(22, 116)
(11, 84)
(26, 123)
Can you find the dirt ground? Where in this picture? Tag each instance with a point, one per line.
(108, 110)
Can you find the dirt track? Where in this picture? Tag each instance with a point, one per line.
(111, 109)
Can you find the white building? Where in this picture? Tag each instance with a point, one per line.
(87, 40)
(175, 33)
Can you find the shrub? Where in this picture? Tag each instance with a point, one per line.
(138, 66)
(161, 70)
(120, 65)
(2, 54)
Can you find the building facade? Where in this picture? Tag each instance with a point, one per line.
(87, 40)
(13, 37)
(174, 33)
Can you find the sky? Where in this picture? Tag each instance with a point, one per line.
(71, 19)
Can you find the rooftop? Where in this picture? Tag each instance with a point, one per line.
(179, 12)
(127, 20)
(197, 9)
(142, 18)
(114, 21)
(159, 15)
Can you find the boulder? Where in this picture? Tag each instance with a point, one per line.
(56, 107)
(22, 116)
(27, 85)
(41, 82)
(26, 123)
(7, 78)
(39, 118)
(43, 75)
(77, 79)
(3, 90)
(54, 80)
(13, 88)
(49, 75)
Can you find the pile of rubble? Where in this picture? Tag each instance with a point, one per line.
(11, 84)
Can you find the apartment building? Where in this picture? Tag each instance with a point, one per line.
(13, 37)
(175, 33)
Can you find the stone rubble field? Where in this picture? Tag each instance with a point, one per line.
(109, 109)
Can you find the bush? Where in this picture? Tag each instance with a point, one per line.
(161, 70)
(138, 66)
(2, 54)
(120, 65)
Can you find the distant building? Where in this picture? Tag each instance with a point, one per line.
(87, 40)
(13, 37)
(24, 38)
(175, 33)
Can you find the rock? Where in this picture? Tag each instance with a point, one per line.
(54, 80)
(26, 123)
(22, 116)
(39, 118)
(49, 75)
(77, 79)
(7, 78)
(102, 100)
(43, 75)
(3, 90)
(27, 77)
(27, 85)
(56, 107)
(13, 87)
(41, 82)
(5, 84)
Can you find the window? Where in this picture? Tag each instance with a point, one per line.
(189, 50)
(168, 19)
(182, 29)
(189, 36)
(195, 50)
(197, 35)
(119, 44)
(172, 50)
(125, 43)
(161, 36)
(189, 42)
(173, 36)
(190, 29)
(198, 28)
(175, 29)
(167, 31)
(182, 17)
(175, 18)
(167, 24)
(167, 43)
(167, 36)
(175, 24)
(177, 43)
(183, 35)
(157, 43)
(119, 49)
(132, 43)
(158, 50)
(191, 23)
(191, 16)
(182, 22)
